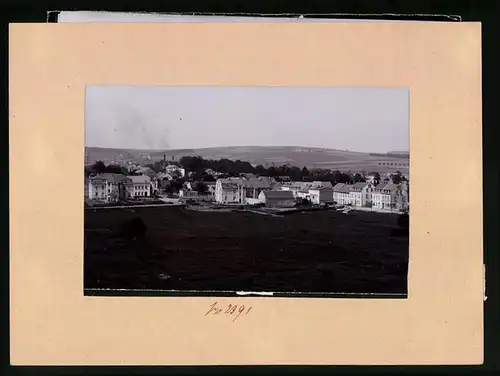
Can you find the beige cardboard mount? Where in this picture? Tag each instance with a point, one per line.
(52, 323)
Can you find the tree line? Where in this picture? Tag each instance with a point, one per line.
(197, 167)
(236, 168)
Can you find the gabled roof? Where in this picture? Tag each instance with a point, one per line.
(283, 195)
(139, 179)
(322, 184)
(109, 177)
(391, 187)
(358, 186)
(162, 175)
(387, 188)
(262, 182)
(230, 183)
(342, 188)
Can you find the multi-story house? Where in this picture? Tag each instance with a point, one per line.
(301, 188)
(320, 195)
(385, 196)
(360, 194)
(138, 187)
(174, 170)
(227, 191)
(106, 187)
(341, 194)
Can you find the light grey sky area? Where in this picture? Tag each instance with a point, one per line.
(364, 119)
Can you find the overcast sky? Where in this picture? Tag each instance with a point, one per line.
(166, 117)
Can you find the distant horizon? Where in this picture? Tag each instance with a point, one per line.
(248, 146)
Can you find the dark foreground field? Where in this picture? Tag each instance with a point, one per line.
(322, 251)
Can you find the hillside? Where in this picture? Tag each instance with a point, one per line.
(264, 155)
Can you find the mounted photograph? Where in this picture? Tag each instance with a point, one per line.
(245, 191)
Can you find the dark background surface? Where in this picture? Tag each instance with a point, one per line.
(486, 12)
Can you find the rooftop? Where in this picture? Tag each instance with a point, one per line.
(109, 177)
(342, 188)
(278, 195)
(139, 179)
(358, 186)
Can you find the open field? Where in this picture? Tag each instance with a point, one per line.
(265, 155)
(322, 251)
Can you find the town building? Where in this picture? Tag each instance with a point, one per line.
(386, 196)
(241, 190)
(137, 187)
(371, 178)
(321, 195)
(302, 194)
(227, 191)
(106, 187)
(174, 170)
(250, 189)
(341, 194)
(277, 198)
(301, 189)
(360, 194)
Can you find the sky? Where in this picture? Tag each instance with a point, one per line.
(168, 117)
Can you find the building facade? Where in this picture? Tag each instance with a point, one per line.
(360, 194)
(106, 187)
(241, 190)
(138, 187)
(174, 170)
(386, 196)
(341, 194)
(321, 195)
(227, 191)
(277, 198)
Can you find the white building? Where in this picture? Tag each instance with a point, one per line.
(320, 195)
(341, 194)
(360, 194)
(300, 188)
(138, 186)
(250, 188)
(106, 187)
(241, 190)
(227, 191)
(174, 170)
(386, 196)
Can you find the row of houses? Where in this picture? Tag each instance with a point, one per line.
(384, 196)
(112, 187)
(242, 190)
(253, 190)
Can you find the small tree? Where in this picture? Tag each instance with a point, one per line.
(99, 167)
(114, 196)
(396, 178)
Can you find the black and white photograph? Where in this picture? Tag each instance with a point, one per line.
(245, 191)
